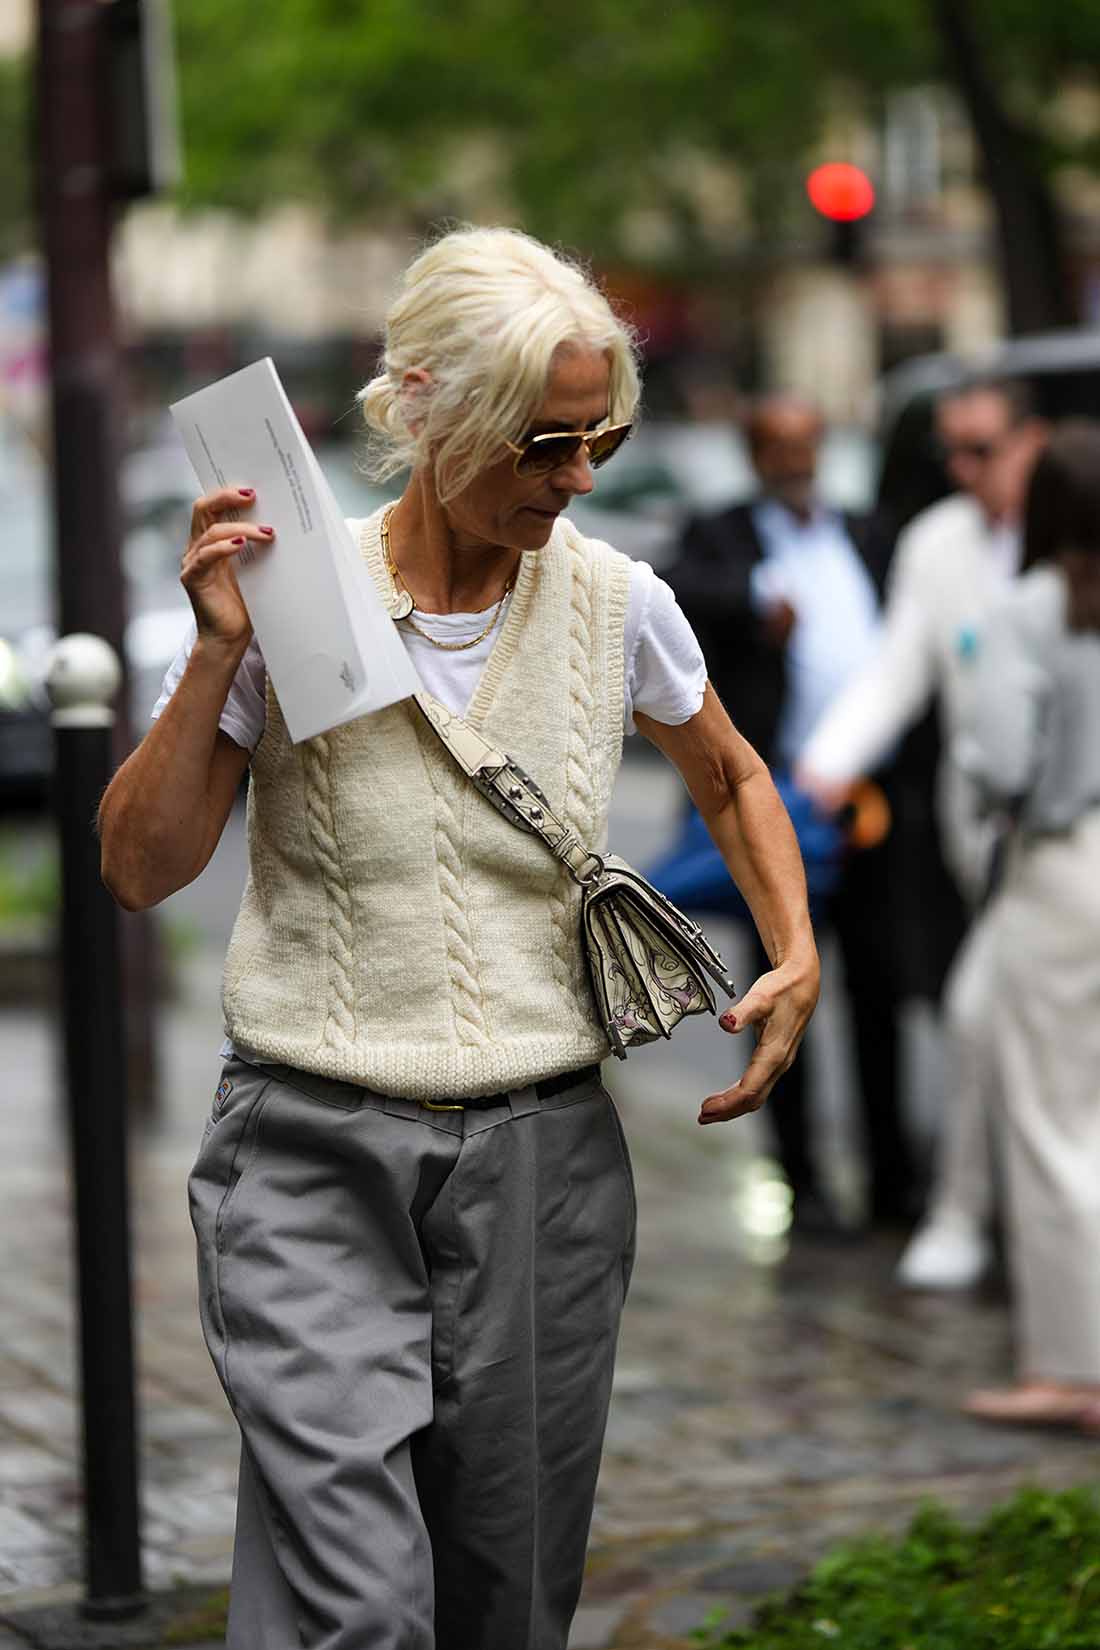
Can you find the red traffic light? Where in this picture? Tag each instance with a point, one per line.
(840, 191)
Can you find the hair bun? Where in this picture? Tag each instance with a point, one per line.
(381, 407)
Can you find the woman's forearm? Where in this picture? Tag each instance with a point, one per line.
(754, 835)
(733, 790)
(742, 810)
(162, 814)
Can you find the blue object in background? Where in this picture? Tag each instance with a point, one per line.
(693, 874)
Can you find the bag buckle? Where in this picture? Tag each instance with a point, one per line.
(588, 878)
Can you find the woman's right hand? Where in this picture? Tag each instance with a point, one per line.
(208, 571)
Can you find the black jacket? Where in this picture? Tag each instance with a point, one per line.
(712, 578)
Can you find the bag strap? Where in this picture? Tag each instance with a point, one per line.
(511, 791)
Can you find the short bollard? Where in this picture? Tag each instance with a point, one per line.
(82, 680)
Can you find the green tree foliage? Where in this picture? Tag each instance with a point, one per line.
(15, 193)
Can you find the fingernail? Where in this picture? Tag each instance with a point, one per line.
(730, 1021)
(236, 541)
(248, 492)
(268, 530)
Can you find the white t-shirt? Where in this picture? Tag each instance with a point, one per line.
(664, 677)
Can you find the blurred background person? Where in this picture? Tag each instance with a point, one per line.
(952, 563)
(1031, 739)
(784, 595)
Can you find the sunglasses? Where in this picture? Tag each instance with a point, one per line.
(542, 453)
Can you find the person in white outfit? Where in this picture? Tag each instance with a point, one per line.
(951, 564)
(1031, 740)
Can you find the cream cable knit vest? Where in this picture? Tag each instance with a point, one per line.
(395, 931)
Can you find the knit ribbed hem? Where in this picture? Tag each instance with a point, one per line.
(429, 1071)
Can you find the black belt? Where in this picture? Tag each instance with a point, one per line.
(545, 1089)
(568, 1080)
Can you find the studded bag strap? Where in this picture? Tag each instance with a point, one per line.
(511, 791)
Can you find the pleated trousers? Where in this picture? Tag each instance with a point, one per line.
(414, 1317)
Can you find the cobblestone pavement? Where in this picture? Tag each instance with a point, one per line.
(770, 1399)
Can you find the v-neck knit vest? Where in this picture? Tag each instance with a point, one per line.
(395, 930)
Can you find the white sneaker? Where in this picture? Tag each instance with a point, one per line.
(946, 1252)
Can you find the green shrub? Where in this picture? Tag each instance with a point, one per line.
(203, 1625)
(1028, 1578)
(30, 887)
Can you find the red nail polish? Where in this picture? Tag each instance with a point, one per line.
(247, 492)
(268, 530)
(236, 541)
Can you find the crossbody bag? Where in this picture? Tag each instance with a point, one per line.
(649, 964)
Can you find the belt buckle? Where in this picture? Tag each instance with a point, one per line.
(429, 1105)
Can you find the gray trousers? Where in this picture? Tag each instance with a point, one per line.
(414, 1317)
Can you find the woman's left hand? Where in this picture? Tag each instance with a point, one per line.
(778, 1005)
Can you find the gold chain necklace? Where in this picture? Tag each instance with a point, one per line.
(399, 584)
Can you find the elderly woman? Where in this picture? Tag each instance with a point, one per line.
(413, 1200)
(1033, 743)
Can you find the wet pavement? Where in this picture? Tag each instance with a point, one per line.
(771, 1397)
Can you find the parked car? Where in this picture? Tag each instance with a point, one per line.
(24, 598)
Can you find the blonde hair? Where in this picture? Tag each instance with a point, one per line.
(483, 313)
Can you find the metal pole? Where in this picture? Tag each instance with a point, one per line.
(82, 679)
(76, 211)
(77, 216)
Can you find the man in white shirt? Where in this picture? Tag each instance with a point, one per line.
(950, 565)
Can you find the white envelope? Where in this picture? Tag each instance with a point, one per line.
(331, 648)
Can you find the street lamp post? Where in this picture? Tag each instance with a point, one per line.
(86, 160)
(105, 133)
(83, 679)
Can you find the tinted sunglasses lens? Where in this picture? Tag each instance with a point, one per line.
(546, 453)
(606, 444)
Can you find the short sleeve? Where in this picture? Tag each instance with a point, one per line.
(244, 714)
(666, 674)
